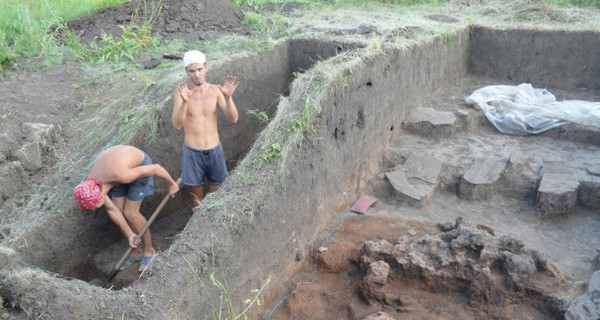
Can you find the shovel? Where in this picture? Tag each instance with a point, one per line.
(140, 234)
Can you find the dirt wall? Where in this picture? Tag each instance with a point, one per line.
(550, 59)
(355, 123)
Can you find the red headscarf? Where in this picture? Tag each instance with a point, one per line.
(88, 194)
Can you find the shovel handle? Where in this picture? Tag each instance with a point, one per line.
(115, 270)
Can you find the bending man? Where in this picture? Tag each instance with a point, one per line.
(121, 177)
(195, 110)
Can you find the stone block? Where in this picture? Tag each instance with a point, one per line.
(423, 167)
(557, 194)
(414, 193)
(429, 122)
(480, 180)
(589, 194)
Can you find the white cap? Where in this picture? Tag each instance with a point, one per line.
(193, 56)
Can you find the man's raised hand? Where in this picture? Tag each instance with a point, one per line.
(184, 92)
(229, 86)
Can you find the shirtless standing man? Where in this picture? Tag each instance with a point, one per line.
(121, 177)
(195, 110)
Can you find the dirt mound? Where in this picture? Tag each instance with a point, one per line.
(479, 275)
(179, 19)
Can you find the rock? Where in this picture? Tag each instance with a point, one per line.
(336, 259)
(32, 153)
(151, 63)
(379, 316)
(480, 180)
(589, 193)
(173, 55)
(366, 28)
(557, 194)
(586, 306)
(373, 282)
(429, 122)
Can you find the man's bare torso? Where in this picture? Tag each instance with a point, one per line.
(200, 124)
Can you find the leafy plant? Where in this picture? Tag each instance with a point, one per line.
(32, 28)
(260, 115)
(226, 309)
(270, 152)
(124, 47)
(255, 21)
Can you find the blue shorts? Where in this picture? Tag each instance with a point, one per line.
(198, 165)
(137, 189)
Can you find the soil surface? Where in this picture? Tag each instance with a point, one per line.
(342, 279)
(180, 19)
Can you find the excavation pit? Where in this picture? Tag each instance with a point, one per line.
(270, 222)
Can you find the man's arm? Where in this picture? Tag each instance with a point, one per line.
(225, 99)
(180, 98)
(117, 217)
(129, 175)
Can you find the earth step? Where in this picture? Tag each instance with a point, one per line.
(470, 120)
(480, 181)
(431, 123)
(557, 194)
(415, 181)
(589, 189)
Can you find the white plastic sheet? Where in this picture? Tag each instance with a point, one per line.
(523, 109)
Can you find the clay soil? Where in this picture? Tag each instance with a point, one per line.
(335, 280)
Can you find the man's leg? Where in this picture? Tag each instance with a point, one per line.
(198, 194)
(120, 203)
(213, 187)
(137, 221)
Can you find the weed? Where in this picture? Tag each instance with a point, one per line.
(236, 44)
(248, 180)
(270, 152)
(30, 28)
(260, 115)
(124, 47)
(255, 21)
(195, 273)
(448, 36)
(226, 309)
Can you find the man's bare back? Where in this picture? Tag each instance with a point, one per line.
(112, 165)
(119, 180)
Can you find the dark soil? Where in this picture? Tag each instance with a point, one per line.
(180, 19)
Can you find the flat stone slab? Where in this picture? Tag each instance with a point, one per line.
(430, 122)
(424, 167)
(480, 179)
(407, 191)
(557, 194)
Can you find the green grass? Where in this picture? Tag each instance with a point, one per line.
(37, 28)
(29, 28)
(226, 310)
